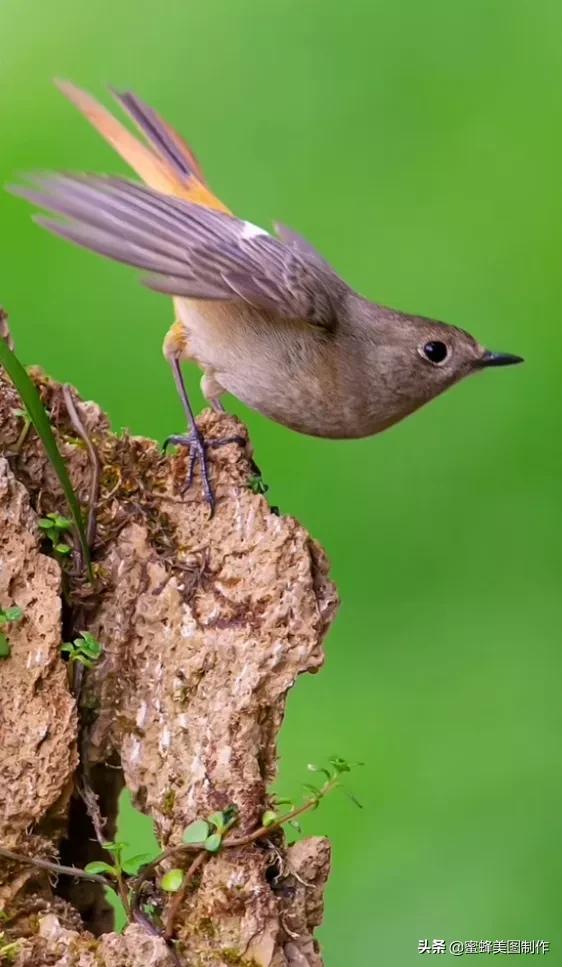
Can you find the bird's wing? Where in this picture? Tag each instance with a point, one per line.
(302, 245)
(188, 250)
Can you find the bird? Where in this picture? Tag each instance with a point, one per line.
(264, 315)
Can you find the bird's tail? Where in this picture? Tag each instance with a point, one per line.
(165, 163)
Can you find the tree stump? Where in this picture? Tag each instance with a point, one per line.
(205, 624)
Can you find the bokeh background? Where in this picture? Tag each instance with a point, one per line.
(419, 145)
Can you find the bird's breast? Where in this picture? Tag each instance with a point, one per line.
(293, 373)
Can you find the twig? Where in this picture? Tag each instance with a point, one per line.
(80, 429)
(179, 897)
(90, 800)
(307, 807)
(134, 900)
(123, 894)
(52, 867)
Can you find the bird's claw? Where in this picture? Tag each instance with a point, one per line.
(197, 453)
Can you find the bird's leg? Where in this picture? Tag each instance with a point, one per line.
(176, 347)
(195, 441)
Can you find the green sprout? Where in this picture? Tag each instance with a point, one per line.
(86, 649)
(54, 526)
(8, 616)
(275, 816)
(257, 484)
(118, 870)
(120, 865)
(208, 833)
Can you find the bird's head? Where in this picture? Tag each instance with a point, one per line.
(416, 359)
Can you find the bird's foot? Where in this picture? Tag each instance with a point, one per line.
(198, 447)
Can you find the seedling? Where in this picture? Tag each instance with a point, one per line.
(86, 650)
(115, 871)
(119, 866)
(257, 485)
(275, 817)
(209, 833)
(54, 526)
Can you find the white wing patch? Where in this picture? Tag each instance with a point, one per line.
(250, 231)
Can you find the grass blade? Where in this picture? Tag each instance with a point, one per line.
(32, 402)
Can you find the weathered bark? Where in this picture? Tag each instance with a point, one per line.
(206, 623)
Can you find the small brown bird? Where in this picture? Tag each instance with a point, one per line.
(266, 318)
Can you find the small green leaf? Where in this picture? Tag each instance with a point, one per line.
(213, 842)
(89, 645)
(135, 863)
(90, 640)
(5, 647)
(341, 765)
(196, 833)
(257, 485)
(296, 825)
(313, 790)
(98, 867)
(85, 650)
(172, 880)
(217, 820)
(32, 402)
(269, 817)
(63, 549)
(13, 614)
(61, 523)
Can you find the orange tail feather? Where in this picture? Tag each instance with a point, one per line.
(166, 163)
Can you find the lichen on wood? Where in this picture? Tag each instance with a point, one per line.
(206, 622)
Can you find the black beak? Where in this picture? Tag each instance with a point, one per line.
(499, 359)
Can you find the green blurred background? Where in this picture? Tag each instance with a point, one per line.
(419, 145)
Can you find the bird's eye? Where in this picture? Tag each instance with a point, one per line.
(435, 351)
